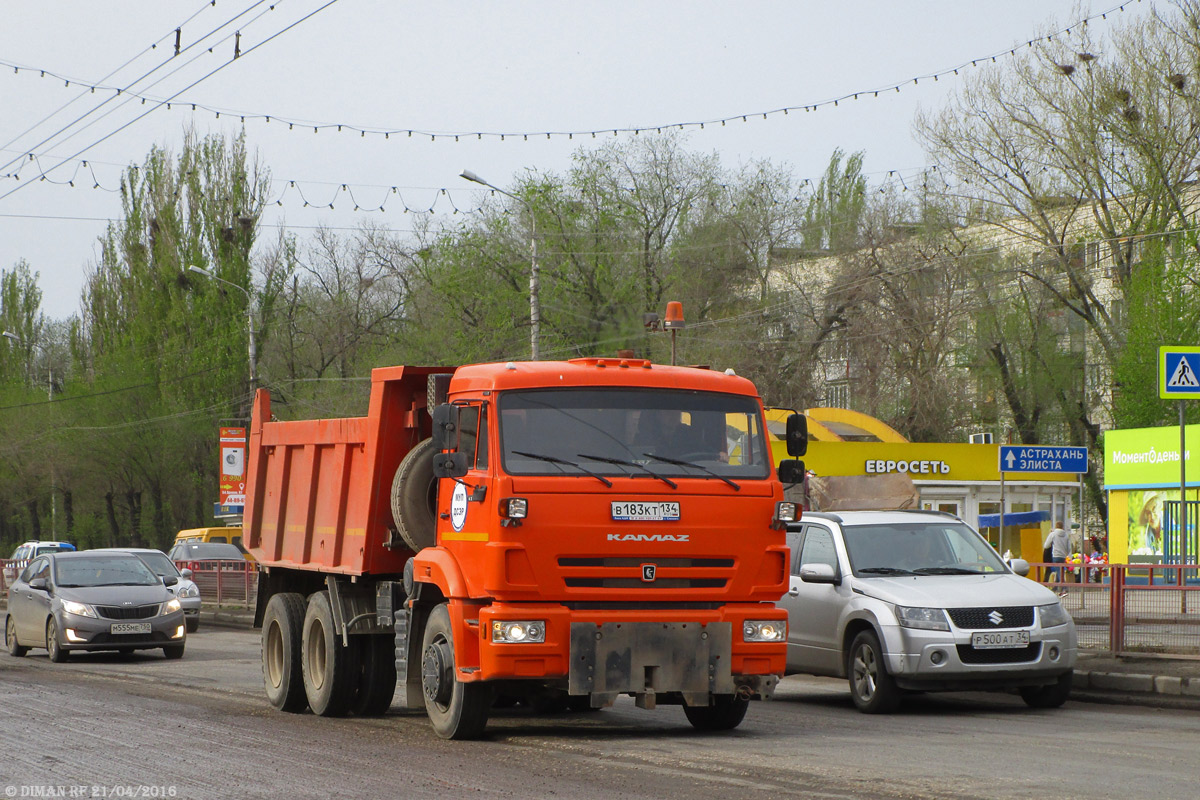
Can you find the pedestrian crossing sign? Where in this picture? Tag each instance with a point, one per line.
(1179, 373)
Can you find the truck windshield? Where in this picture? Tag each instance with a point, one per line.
(631, 431)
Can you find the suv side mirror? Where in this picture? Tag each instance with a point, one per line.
(796, 436)
(1019, 566)
(819, 573)
(445, 427)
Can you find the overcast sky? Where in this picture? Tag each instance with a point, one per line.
(457, 68)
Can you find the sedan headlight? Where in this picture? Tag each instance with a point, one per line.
(764, 630)
(518, 631)
(78, 609)
(190, 590)
(1053, 615)
(926, 619)
(171, 606)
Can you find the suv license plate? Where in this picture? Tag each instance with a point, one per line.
(655, 512)
(1000, 640)
(130, 627)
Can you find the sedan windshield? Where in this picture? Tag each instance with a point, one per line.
(921, 548)
(643, 433)
(112, 570)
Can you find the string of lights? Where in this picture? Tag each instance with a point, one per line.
(457, 136)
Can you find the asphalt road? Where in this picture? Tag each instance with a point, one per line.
(104, 726)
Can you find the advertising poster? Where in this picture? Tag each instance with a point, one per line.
(233, 467)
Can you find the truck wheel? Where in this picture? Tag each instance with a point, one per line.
(457, 710)
(414, 498)
(725, 713)
(330, 671)
(1051, 696)
(283, 622)
(377, 686)
(873, 690)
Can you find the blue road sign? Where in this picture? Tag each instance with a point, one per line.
(1179, 373)
(1042, 458)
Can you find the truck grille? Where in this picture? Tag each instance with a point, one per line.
(128, 612)
(981, 618)
(622, 572)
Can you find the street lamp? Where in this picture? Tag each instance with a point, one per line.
(50, 395)
(535, 313)
(249, 314)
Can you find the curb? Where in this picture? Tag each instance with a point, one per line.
(1135, 688)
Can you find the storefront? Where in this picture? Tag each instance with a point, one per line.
(962, 479)
(1141, 477)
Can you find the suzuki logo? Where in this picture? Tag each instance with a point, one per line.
(996, 617)
(648, 572)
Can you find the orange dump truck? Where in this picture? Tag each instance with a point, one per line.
(554, 533)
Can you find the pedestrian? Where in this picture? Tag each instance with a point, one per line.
(1058, 543)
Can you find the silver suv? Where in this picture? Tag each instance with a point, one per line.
(899, 601)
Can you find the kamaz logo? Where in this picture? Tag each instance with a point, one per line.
(996, 617)
(648, 537)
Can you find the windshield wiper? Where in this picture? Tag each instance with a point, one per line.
(557, 460)
(679, 463)
(884, 571)
(946, 571)
(621, 463)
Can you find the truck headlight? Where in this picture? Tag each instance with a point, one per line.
(785, 512)
(764, 630)
(518, 631)
(1053, 615)
(514, 508)
(927, 619)
(78, 609)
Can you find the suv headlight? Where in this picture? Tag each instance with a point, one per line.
(1053, 615)
(78, 609)
(927, 619)
(764, 630)
(518, 631)
(171, 606)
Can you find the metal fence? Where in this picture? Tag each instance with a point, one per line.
(221, 583)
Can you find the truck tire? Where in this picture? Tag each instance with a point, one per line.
(457, 710)
(282, 627)
(414, 497)
(724, 714)
(330, 670)
(377, 685)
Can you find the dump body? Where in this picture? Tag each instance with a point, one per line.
(601, 527)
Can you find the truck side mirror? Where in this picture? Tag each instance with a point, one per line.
(791, 471)
(797, 434)
(449, 465)
(445, 427)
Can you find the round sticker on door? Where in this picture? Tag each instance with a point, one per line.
(458, 507)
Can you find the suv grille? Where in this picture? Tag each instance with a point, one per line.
(128, 612)
(671, 572)
(969, 655)
(982, 619)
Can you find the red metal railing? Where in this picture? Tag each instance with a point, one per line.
(221, 583)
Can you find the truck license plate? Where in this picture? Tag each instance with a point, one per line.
(635, 511)
(130, 627)
(1000, 640)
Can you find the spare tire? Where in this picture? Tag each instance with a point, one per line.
(414, 497)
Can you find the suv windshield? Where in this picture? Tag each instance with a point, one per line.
(111, 570)
(919, 548)
(636, 432)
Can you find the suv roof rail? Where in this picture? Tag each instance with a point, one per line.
(937, 511)
(829, 515)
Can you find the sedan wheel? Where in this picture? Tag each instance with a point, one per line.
(10, 638)
(57, 653)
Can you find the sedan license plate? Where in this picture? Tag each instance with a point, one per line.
(655, 512)
(130, 627)
(1000, 640)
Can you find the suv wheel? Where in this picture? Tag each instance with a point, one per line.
(871, 687)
